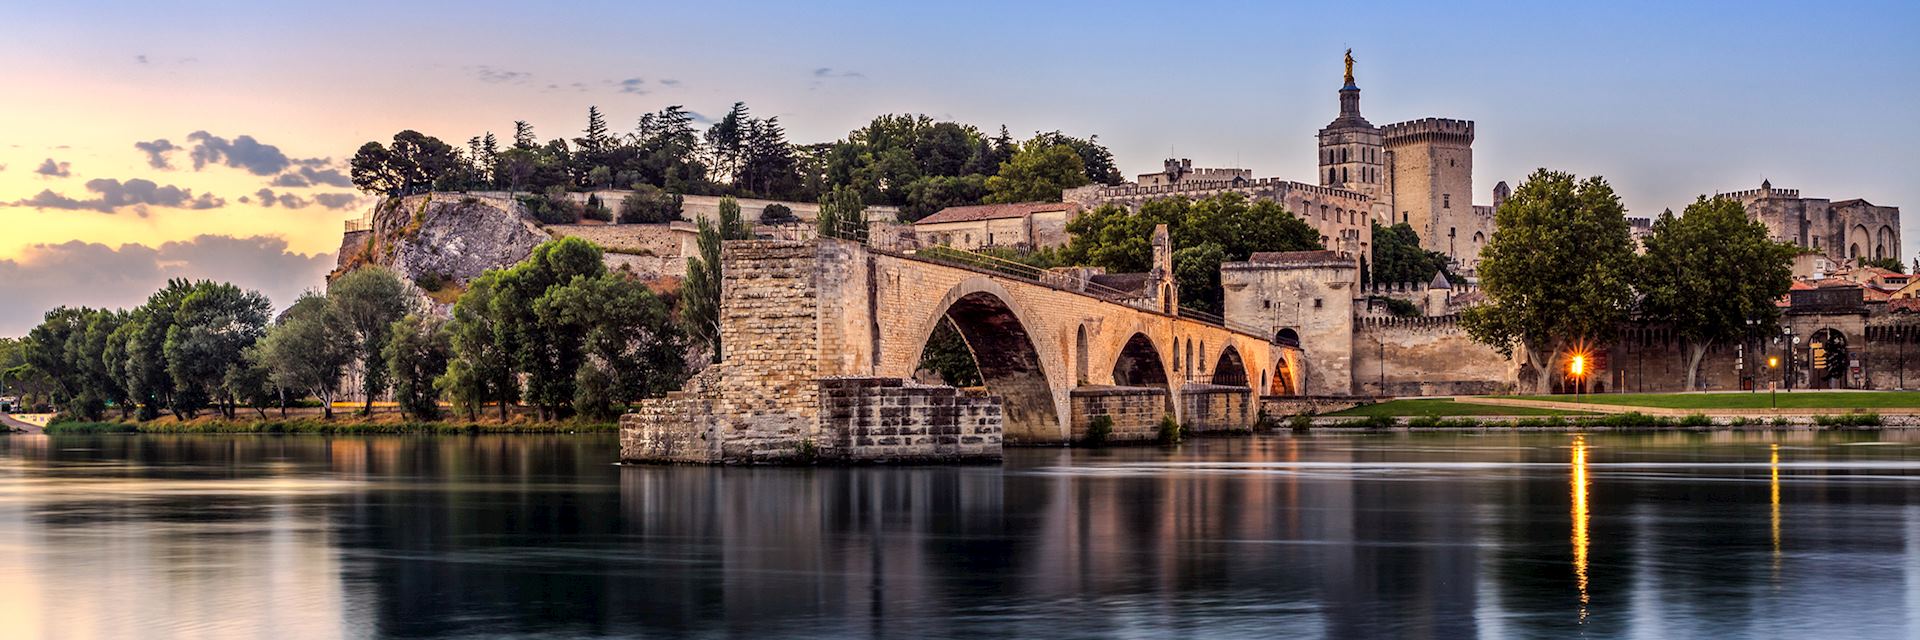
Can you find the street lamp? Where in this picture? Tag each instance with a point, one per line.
(1577, 366)
(1773, 388)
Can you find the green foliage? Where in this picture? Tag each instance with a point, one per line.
(1399, 308)
(927, 195)
(1557, 272)
(213, 326)
(1169, 430)
(1397, 257)
(416, 162)
(552, 207)
(1889, 263)
(1037, 173)
(370, 299)
(700, 293)
(481, 368)
(596, 210)
(1300, 422)
(649, 205)
(416, 353)
(1696, 420)
(1713, 275)
(777, 213)
(1849, 419)
(308, 349)
(1099, 431)
(843, 215)
(1378, 422)
(947, 354)
(1206, 232)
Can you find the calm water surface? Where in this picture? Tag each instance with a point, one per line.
(1793, 535)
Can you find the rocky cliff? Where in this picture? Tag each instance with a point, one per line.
(439, 242)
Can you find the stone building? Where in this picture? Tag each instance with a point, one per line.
(1419, 172)
(1845, 230)
(1024, 225)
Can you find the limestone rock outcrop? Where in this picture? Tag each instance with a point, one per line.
(438, 243)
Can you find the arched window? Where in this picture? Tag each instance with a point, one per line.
(1331, 173)
(1287, 336)
(1080, 356)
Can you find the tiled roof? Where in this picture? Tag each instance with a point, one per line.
(995, 211)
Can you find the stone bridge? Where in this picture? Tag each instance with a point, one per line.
(820, 336)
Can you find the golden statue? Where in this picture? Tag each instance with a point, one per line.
(1349, 67)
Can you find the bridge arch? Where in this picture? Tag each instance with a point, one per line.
(1007, 353)
(1230, 369)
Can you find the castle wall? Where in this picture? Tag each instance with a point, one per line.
(1315, 301)
(1432, 184)
(1216, 408)
(1430, 356)
(1135, 411)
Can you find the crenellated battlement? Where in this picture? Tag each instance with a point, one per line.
(1448, 321)
(1204, 187)
(1426, 129)
(1763, 192)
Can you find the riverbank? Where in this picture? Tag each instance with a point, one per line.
(1631, 420)
(339, 426)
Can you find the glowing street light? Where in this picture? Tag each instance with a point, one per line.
(1577, 367)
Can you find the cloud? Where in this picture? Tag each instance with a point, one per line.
(669, 82)
(633, 86)
(336, 200)
(53, 169)
(288, 200)
(114, 194)
(157, 152)
(828, 72)
(699, 118)
(90, 274)
(309, 176)
(142, 58)
(243, 152)
(491, 75)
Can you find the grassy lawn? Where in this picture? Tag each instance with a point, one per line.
(1839, 400)
(1441, 407)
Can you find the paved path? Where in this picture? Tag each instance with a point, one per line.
(1665, 411)
(12, 423)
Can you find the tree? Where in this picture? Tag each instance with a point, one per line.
(1890, 264)
(842, 215)
(1204, 233)
(768, 168)
(1037, 173)
(523, 136)
(146, 378)
(370, 299)
(46, 349)
(415, 162)
(417, 353)
(546, 352)
(309, 349)
(1397, 256)
(929, 194)
(1713, 275)
(701, 290)
(1094, 156)
(633, 347)
(1557, 271)
(777, 213)
(481, 367)
(650, 205)
(726, 143)
(213, 326)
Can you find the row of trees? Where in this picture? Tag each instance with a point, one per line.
(1561, 273)
(909, 161)
(558, 332)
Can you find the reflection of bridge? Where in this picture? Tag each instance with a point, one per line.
(1052, 356)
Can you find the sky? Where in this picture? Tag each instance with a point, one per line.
(142, 141)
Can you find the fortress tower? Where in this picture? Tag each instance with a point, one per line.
(1351, 156)
(1431, 184)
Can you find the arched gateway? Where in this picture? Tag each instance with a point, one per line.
(820, 337)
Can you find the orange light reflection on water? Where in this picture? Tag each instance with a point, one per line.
(1579, 491)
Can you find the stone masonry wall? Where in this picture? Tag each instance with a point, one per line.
(885, 419)
(1430, 356)
(1136, 411)
(1215, 408)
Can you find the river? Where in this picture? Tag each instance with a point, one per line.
(1432, 535)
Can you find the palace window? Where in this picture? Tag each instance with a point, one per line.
(1446, 201)
(1316, 303)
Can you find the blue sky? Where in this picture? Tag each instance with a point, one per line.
(1667, 100)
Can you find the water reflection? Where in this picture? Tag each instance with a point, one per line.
(1413, 536)
(1579, 501)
